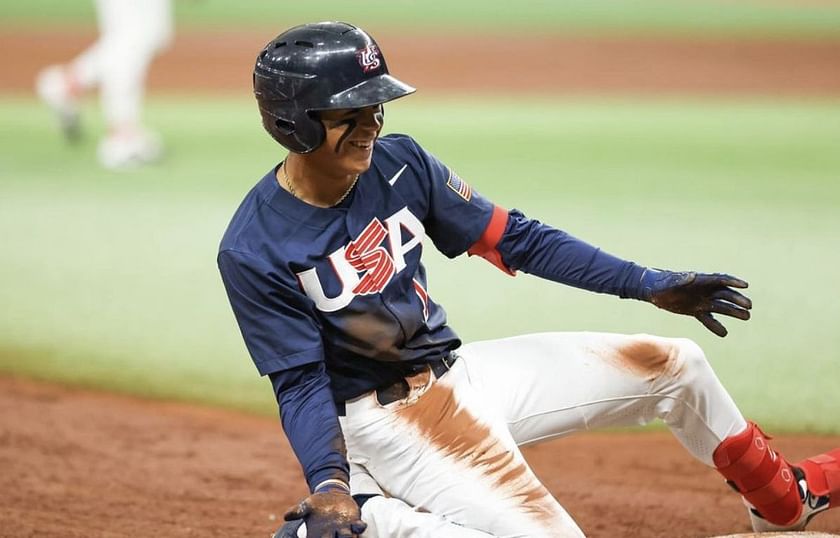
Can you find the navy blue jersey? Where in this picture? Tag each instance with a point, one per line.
(345, 285)
(333, 302)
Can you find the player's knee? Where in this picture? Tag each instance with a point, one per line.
(689, 362)
(668, 359)
(649, 356)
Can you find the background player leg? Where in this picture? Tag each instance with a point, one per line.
(132, 35)
(61, 87)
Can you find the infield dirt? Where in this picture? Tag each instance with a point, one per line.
(80, 464)
(212, 62)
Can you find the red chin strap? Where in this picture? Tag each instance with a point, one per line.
(760, 474)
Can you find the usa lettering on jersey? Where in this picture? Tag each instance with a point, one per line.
(364, 266)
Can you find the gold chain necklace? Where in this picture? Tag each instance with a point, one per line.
(295, 194)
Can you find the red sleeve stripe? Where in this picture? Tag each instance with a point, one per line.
(489, 240)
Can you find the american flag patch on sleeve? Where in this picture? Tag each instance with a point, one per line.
(460, 186)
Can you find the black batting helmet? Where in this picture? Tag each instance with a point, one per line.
(319, 66)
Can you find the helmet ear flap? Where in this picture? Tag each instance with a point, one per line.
(284, 127)
(309, 132)
(304, 134)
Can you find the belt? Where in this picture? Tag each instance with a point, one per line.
(399, 390)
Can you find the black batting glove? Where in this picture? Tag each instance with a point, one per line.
(289, 529)
(332, 514)
(697, 294)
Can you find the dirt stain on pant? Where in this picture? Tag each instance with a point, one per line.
(457, 434)
(645, 357)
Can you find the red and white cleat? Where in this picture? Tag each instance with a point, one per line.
(818, 481)
(812, 505)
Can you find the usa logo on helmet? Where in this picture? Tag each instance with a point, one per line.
(369, 58)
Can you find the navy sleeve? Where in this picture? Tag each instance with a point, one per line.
(284, 341)
(310, 421)
(547, 252)
(276, 319)
(456, 214)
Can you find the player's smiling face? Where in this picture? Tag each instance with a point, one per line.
(350, 134)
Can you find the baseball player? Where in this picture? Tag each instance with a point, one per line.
(131, 34)
(401, 429)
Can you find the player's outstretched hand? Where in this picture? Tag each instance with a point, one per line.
(699, 295)
(289, 529)
(330, 514)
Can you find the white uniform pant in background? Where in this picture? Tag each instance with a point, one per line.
(131, 33)
(451, 447)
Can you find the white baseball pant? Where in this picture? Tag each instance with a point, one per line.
(449, 452)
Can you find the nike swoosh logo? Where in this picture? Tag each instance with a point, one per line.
(397, 175)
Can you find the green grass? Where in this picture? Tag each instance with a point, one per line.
(110, 279)
(508, 19)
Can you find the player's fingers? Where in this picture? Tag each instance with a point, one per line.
(712, 324)
(733, 297)
(298, 511)
(728, 309)
(345, 532)
(718, 280)
(723, 279)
